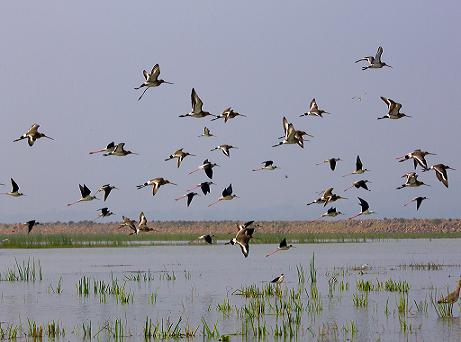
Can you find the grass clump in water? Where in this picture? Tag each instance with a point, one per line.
(29, 271)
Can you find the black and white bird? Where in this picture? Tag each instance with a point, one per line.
(204, 186)
(197, 107)
(374, 62)
(358, 168)
(411, 181)
(225, 196)
(156, 184)
(208, 238)
(314, 110)
(109, 148)
(14, 190)
(267, 165)
(179, 155)
(441, 172)
(283, 246)
(151, 80)
(331, 162)
(30, 224)
(418, 201)
(359, 184)
(85, 195)
(228, 114)
(365, 209)
(189, 196)
(332, 212)
(225, 148)
(393, 110)
(32, 135)
(106, 188)
(119, 151)
(207, 166)
(278, 280)
(104, 212)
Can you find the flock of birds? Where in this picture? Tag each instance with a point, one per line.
(291, 136)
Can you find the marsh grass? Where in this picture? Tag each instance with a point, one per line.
(443, 310)
(29, 271)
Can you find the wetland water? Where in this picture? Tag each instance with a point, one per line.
(191, 281)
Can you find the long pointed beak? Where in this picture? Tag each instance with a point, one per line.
(173, 183)
(168, 82)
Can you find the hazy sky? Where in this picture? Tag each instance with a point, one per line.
(72, 66)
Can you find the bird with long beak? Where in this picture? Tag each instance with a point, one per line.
(104, 212)
(151, 80)
(283, 246)
(418, 157)
(359, 184)
(119, 151)
(85, 195)
(179, 155)
(314, 110)
(365, 209)
(226, 196)
(228, 114)
(418, 201)
(109, 148)
(332, 162)
(32, 135)
(14, 190)
(204, 186)
(332, 212)
(207, 166)
(156, 184)
(106, 188)
(243, 237)
(393, 110)
(441, 172)
(224, 148)
(374, 62)
(189, 195)
(358, 168)
(267, 165)
(197, 107)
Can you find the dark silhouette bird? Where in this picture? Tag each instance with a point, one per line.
(189, 195)
(30, 224)
(418, 201)
(332, 162)
(106, 188)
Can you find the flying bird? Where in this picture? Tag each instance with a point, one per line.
(189, 195)
(314, 110)
(332, 212)
(332, 162)
(418, 157)
(208, 238)
(179, 155)
(227, 114)
(224, 148)
(267, 165)
(283, 246)
(243, 237)
(365, 209)
(109, 148)
(151, 80)
(226, 196)
(393, 110)
(32, 135)
(104, 212)
(204, 186)
(85, 195)
(119, 151)
(441, 172)
(142, 223)
(197, 107)
(374, 62)
(411, 181)
(156, 184)
(30, 224)
(106, 188)
(359, 184)
(127, 222)
(291, 135)
(418, 201)
(278, 280)
(14, 190)
(206, 133)
(207, 166)
(358, 168)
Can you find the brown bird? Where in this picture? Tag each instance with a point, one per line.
(243, 237)
(156, 184)
(441, 172)
(180, 155)
(452, 297)
(227, 114)
(393, 110)
(32, 135)
(197, 107)
(314, 110)
(151, 79)
(418, 157)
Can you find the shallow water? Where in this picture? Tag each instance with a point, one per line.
(205, 275)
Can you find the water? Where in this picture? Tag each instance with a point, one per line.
(206, 275)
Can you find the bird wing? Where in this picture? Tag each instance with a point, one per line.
(283, 243)
(332, 163)
(190, 196)
(107, 190)
(245, 247)
(419, 200)
(247, 224)
(110, 145)
(146, 74)
(154, 73)
(378, 54)
(85, 191)
(285, 124)
(197, 103)
(327, 193)
(14, 186)
(358, 164)
(205, 187)
(313, 106)
(364, 204)
(227, 191)
(208, 171)
(387, 102)
(267, 163)
(33, 129)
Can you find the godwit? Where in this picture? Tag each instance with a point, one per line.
(441, 172)
(283, 246)
(226, 196)
(332, 212)
(104, 212)
(32, 135)
(292, 136)
(242, 239)
(278, 280)
(364, 209)
(142, 223)
(267, 165)
(332, 162)
(109, 148)
(208, 238)
(151, 79)
(156, 184)
(180, 155)
(314, 110)
(204, 186)
(119, 151)
(127, 222)
(374, 62)
(327, 197)
(106, 188)
(358, 168)
(30, 224)
(206, 133)
(197, 105)
(418, 157)
(360, 184)
(85, 195)
(207, 166)
(189, 195)
(224, 148)
(418, 201)
(393, 110)
(227, 114)
(411, 181)
(452, 297)
(14, 190)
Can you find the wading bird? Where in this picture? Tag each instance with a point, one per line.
(374, 62)
(207, 166)
(292, 136)
(119, 151)
(441, 172)
(180, 155)
(327, 197)
(418, 201)
(106, 188)
(393, 110)
(411, 181)
(365, 209)
(109, 148)
(151, 79)
(156, 184)
(452, 297)
(224, 148)
(418, 157)
(142, 223)
(314, 110)
(267, 165)
(189, 195)
(278, 280)
(206, 133)
(283, 246)
(104, 212)
(127, 222)
(32, 135)
(332, 212)
(204, 186)
(242, 238)
(358, 168)
(14, 190)
(227, 114)
(30, 224)
(332, 162)
(85, 195)
(226, 196)
(208, 238)
(197, 107)
(360, 184)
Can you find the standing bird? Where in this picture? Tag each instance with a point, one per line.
(180, 155)
(418, 201)
(243, 237)
(30, 224)
(197, 107)
(283, 246)
(332, 212)
(156, 184)
(452, 297)
(127, 222)
(441, 172)
(14, 190)
(106, 188)
(109, 148)
(374, 62)
(151, 79)
(206, 133)
(227, 114)
(204, 186)
(119, 151)
(332, 162)
(364, 209)
(360, 184)
(207, 166)
(278, 280)
(267, 165)
(85, 195)
(314, 110)
(224, 148)
(189, 195)
(226, 196)
(32, 135)
(411, 181)
(358, 168)
(393, 110)
(418, 157)
(104, 212)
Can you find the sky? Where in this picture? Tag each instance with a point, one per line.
(72, 67)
